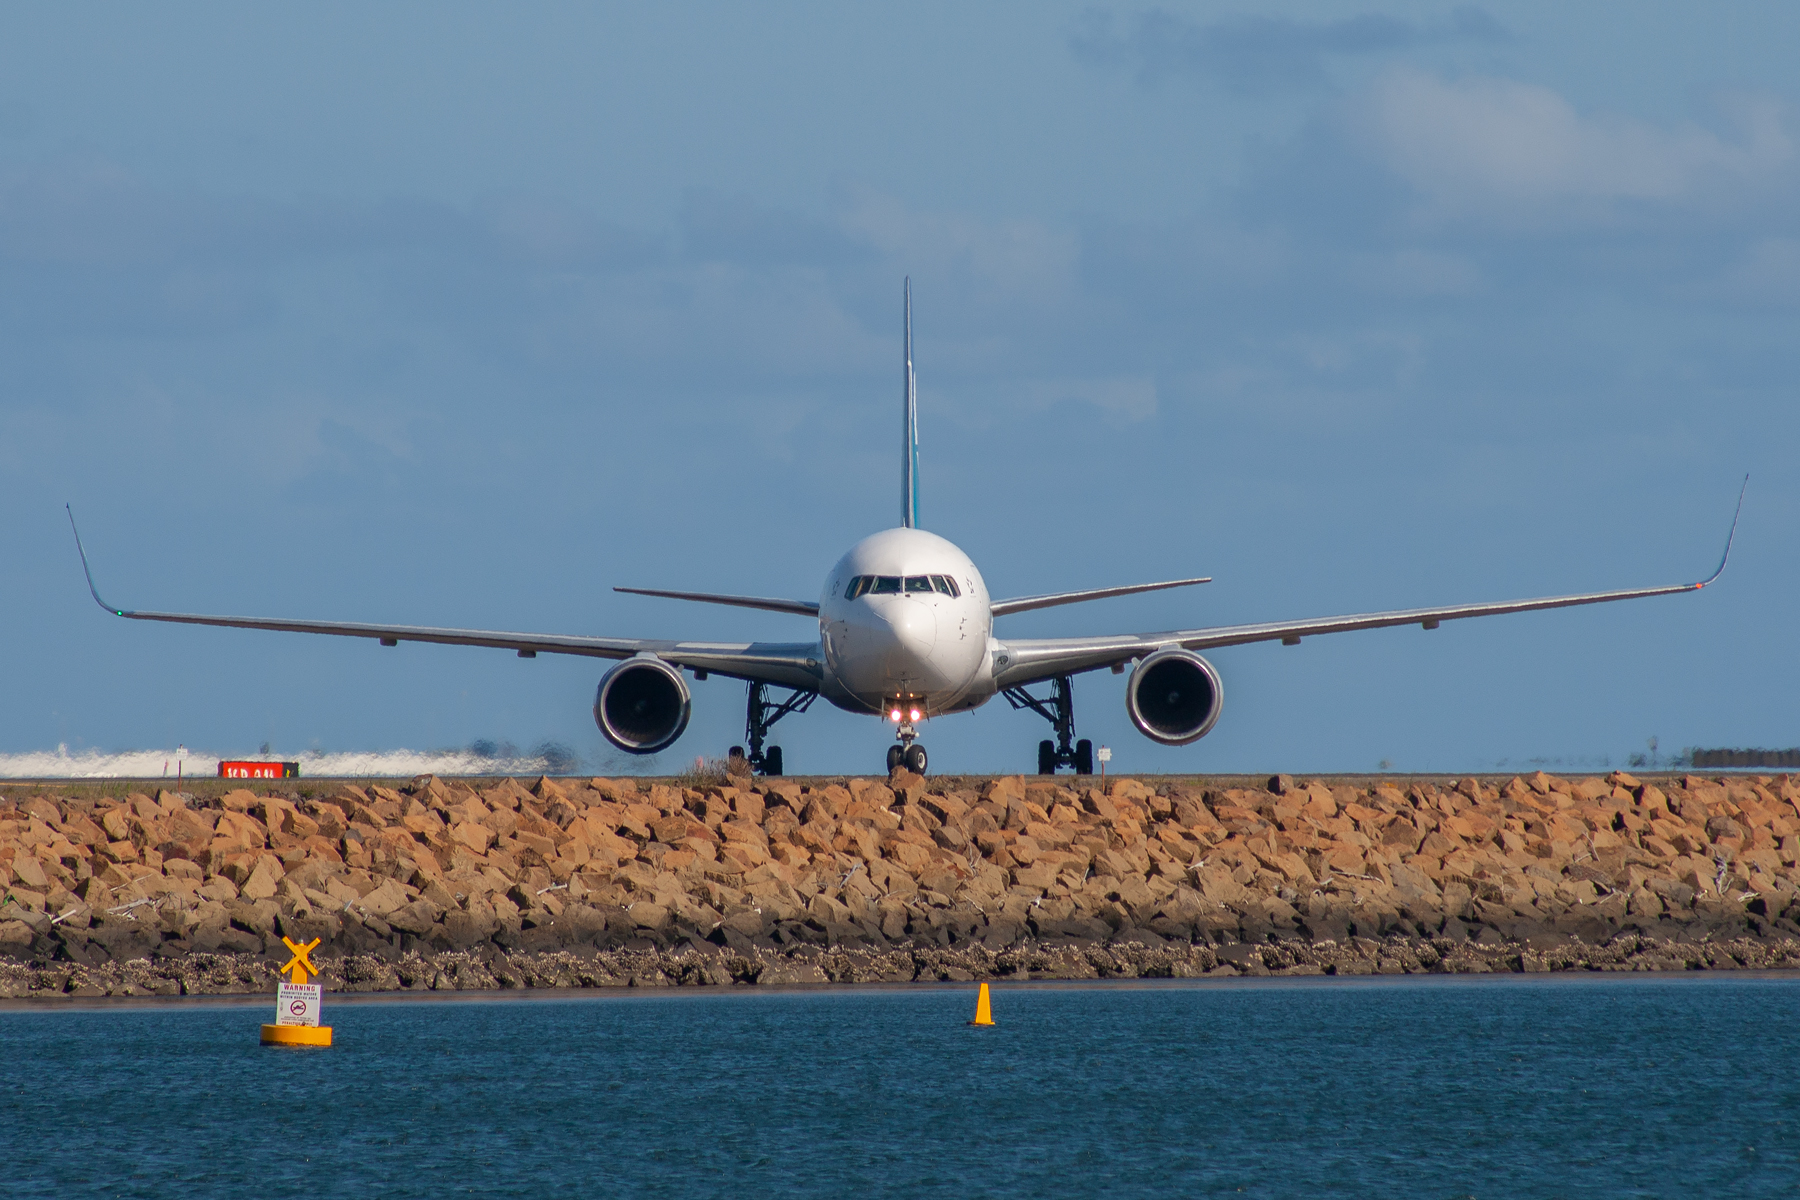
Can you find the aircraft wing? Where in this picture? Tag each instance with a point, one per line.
(787, 664)
(1032, 660)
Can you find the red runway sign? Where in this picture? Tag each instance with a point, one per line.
(259, 770)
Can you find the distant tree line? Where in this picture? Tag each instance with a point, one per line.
(1703, 759)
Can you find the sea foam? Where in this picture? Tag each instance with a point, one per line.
(60, 763)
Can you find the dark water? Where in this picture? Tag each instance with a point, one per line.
(1612, 1087)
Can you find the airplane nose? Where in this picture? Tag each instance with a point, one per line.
(914, 628)
(888, 644)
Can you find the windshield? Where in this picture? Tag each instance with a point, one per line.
(894, 585)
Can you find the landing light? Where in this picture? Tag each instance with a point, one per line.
(895, 715)
(915, 714)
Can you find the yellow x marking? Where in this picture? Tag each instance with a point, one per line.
(300, 964)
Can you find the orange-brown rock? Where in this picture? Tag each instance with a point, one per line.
(749, 863)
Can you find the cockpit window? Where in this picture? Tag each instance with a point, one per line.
(894, 585)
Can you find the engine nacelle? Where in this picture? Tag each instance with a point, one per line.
(643, 705)
(1174, 697)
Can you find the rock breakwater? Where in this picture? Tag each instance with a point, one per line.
(452, 884)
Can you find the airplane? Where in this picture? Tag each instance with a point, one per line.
(906, 632)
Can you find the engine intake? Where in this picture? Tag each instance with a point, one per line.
(1174, 697)
(643, 705)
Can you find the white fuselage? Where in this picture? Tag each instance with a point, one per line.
(904, 641)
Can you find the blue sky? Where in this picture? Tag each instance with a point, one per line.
(448, 315)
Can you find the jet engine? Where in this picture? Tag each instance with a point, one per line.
(1174, 697)
(643, 705)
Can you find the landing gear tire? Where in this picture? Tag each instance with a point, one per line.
(1058, 708)
(894, 755)
(760, 713)
(913, 758)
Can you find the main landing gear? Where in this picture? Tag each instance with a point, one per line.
(762, 713)
(1058, 708)
(908, 753)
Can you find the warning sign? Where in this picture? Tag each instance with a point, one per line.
(297, 1004)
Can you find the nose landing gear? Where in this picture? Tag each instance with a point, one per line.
(908, 753)
(911, 757)
(1058, 708)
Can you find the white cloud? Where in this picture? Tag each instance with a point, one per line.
(1501, 148)
(1256, 53)
(1020, 261)
(1129, 397)
(1308, 382)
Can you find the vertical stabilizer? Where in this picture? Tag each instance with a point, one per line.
(909, 472)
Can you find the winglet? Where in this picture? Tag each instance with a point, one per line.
(1726, 557)
(117, 612)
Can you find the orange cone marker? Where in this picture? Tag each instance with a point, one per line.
(984, 1013)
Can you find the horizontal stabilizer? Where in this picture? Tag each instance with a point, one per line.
(800, 608)
(1027, 603)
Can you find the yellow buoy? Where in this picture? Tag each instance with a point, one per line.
(984, 1014)
(298, 1002)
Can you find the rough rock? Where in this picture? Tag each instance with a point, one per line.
(908, 878)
